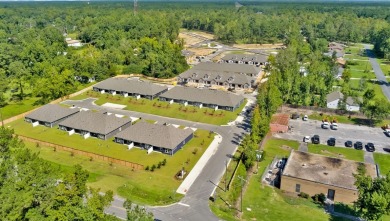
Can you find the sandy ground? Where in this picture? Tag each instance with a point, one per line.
(221, 55)
(258, 46)
(204, 34)
(201, 51)
(189, 40)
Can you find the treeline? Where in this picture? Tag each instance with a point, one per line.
(35, 56)
(273, 22)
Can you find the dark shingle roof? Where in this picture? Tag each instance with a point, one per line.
(225, 67)
(95, 122)
(232, 78)
(156, 135)
(131, 86)
(205, 96)
(245, 58)
(325, 170)
(51, 113)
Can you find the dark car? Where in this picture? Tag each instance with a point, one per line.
(370, 147)
(348, 143)
(315, 139)
(332, 141)
(358, 145)
(295, 116)
(386, 149)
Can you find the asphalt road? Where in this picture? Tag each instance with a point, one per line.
(345, 132)
(378, 72)
(194, 206)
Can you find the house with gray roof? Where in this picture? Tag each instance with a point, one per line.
(130, 87)
(203, 98)
(336, 98)
(251, 59)
(50, 115)
(221, 74)
(93, 124)
(154, 137)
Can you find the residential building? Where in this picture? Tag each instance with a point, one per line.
(93, 124)
(50, 115)
(335, 98)
(251, 59)
(237, 76)
(73, 43)
(203, 98)
(315, 174)
(154, 137)
(130, 87)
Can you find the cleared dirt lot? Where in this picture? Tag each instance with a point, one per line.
(345, 132)
(259, 46)
(189, 40)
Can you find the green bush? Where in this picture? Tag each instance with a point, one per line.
(304, 195)
(153, 168)
(147, 168)
(319, 198)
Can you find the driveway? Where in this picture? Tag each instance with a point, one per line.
(345, 132)
(378, 71)
(195, 204)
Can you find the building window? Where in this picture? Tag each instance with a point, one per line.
(298, 188)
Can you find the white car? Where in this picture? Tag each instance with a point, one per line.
(334, 126)
(325, 125)
(306, 139)
(387, 132)
(305, 118)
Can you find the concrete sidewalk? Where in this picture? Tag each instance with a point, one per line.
(191, 177)
(240, 118)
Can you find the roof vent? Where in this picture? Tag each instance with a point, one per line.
(304, 164)
(325, 173)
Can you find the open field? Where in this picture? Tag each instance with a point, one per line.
(153, 188)
(202, 51)
(337, 152)
(191, 113)
(383, 161)
(259, 46)
(189, 40)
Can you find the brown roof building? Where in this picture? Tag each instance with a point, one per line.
(279, 123)
(314, 174)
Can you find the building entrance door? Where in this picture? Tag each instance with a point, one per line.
(331, 194)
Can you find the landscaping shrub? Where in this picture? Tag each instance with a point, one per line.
(304, 195)
(164, 162)
(147, 168)
(195, 151)
(159, 165)
(153, 168)
(319, 198)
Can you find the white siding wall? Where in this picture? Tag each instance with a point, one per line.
(352, 108)
(333, 104)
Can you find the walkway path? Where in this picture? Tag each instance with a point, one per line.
(369, 157)
(303, 147)
(378, 71)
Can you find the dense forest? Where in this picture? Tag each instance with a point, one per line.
(35, 60)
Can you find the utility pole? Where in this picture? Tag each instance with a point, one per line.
(242, 185)
(2, 120)
(135, 7)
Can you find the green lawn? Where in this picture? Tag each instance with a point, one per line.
(274, 147)
(204, 115)
(385, 66)
(16, 108)
(145, 187)
(383, 161)
(337, 152)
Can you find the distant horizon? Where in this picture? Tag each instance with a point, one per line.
(211, 1)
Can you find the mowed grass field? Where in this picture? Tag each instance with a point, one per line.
(191, 113)
(383, 161)
(146, 187)
(337, 152)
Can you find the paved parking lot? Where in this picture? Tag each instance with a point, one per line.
(345, 132)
